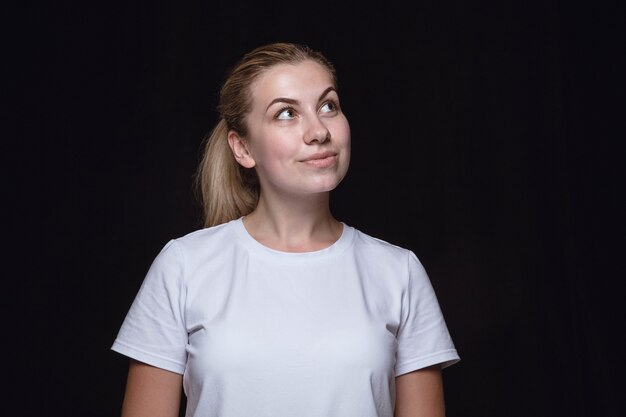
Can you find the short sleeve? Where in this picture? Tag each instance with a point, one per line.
(423, 337)
(153, 331)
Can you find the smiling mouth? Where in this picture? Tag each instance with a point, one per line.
(320, 155)
(322, 160)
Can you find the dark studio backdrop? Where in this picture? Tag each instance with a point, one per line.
(483, 140)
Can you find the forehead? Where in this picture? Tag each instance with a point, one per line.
(291, 80)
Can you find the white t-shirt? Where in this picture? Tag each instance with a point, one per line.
(258, 332)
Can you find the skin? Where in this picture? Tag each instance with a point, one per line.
(295, 116)
(299, 143)
(420, 393)
(154, 392)
(151, 392)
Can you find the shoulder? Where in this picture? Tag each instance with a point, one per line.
(381, 250)
(371, 245)
(381, 258)
(207, 237)
(199, 244)
(380, 253)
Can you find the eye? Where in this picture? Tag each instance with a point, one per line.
(329, 107)
(286, 113)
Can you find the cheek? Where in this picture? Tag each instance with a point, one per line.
(340, 127)
(273, 149)
(347, 142)
(342, 134)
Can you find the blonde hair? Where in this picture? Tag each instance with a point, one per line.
(228, 190)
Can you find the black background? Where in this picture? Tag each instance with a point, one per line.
(485, 138)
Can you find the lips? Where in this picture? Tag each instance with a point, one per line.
(320, 156)
(321, 160)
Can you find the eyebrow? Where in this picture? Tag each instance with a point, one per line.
(293, 101)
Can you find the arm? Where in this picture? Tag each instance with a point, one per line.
(420, 393)
(151, 392)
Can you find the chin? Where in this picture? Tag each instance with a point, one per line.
(326, 186)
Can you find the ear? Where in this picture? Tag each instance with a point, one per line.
(240, 150)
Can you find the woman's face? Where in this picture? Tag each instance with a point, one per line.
(299, 139)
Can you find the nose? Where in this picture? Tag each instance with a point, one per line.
(317, 132)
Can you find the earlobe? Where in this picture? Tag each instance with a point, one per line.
(240, 150)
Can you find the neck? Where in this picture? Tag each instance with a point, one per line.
(303, 225)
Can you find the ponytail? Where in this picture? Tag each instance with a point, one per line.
(227, 190)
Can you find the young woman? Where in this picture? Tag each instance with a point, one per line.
(276, 308)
